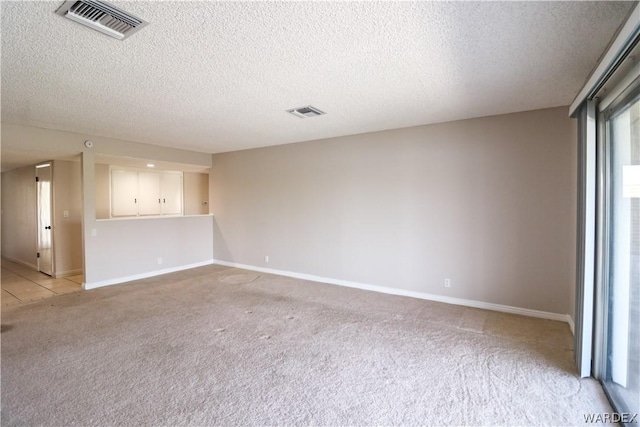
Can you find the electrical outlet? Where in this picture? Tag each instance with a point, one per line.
(266, 259)
(159, 260)
(447, 283)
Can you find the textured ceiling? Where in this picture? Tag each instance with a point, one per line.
(218, 76)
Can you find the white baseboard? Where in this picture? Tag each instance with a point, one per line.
(101, 283)
(18, 261)
(402, 292)
(68, 273)
(572, 325)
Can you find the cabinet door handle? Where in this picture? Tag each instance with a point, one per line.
(164, 200)
(135, 200)
(158, 200)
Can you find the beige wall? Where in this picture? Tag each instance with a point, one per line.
(489, 203)
(103, 208)
(196, 191)
(67, 230)
(134, 247)
(19, 215)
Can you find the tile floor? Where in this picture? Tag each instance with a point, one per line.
(21, 284)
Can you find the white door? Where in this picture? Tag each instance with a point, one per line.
(149, 193)
(124, 193)
(45, 219)
(172, 193)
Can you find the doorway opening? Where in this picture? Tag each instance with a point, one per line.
(44, 219)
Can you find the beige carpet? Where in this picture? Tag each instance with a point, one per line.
(221, 346)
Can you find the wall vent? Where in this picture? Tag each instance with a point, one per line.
(304, 112)
(102, 17)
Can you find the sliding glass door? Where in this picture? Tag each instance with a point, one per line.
(621, 279)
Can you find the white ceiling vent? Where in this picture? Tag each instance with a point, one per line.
(304, 112)
(102, 17)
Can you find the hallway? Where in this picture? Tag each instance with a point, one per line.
(20, 284)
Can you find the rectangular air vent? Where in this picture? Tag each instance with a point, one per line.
(304, 112)
(102, 17)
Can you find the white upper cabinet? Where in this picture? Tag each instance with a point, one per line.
(171, 184)
(149, 193)
(144, 193)
(124, 193)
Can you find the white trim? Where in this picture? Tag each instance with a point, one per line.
(406, 293)
(572, 326)
(17, 261)
(621, 43)
(620, 87)
(147, 217)
(587, 241)
(68, 273)
(101, 283)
